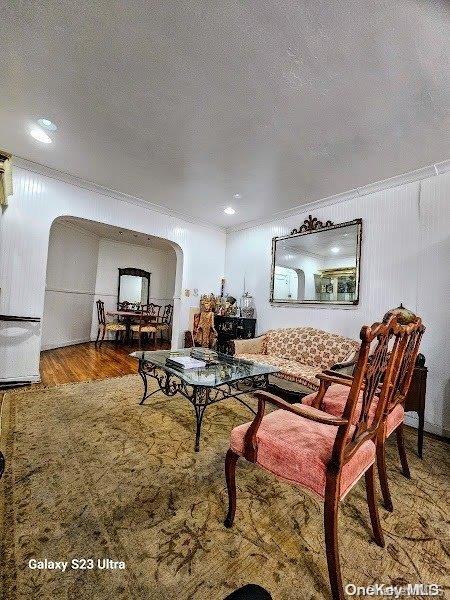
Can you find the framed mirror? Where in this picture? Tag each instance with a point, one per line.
(317, 264)
(134, 286)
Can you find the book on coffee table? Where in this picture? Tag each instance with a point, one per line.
(185, 362)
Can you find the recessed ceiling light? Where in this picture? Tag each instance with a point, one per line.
(237, 196)
(229, 210)
(40, 136)
(334, 250)
(47, 124)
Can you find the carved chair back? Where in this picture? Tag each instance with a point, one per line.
(101, 312)
(411, 337)
(167, 314)
(152, 310)
(149, 314)
(124, 305)
(372, 384)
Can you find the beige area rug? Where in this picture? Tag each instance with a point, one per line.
(91, 474)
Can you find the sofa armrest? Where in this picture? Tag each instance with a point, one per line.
(345, 366)
(251, 346)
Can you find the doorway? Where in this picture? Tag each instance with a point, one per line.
(83, 265)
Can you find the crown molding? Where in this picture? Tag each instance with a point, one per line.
(34, 167)
(378, 186)
(418, 174)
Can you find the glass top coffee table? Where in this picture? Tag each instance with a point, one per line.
(223, 377)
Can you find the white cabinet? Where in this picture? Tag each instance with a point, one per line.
(19, 351)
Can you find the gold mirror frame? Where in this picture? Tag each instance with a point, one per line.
(309, 227)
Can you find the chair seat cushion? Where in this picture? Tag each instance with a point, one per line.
(143, 329)
(334, 401)
(298, 450)
(290, 370)
(115, 327)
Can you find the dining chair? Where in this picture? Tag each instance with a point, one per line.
(147, 323)
(104, 326)
(321, 453)
(165, 320)
(333, 391)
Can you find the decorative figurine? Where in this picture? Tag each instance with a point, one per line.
(205, 334)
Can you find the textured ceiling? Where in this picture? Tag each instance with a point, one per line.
(185, 103)
(117, 234)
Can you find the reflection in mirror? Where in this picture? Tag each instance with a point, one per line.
(319, 266)
(134, 287)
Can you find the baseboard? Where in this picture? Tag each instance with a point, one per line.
(59, 344)
(8, 382)
(413, 421)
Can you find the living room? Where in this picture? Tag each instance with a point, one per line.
(262, 193)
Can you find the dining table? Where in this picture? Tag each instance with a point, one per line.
(130, 316)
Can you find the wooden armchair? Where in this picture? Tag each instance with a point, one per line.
(333, 392)
(322, 453)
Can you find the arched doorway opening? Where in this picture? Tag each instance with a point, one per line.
(84, 259)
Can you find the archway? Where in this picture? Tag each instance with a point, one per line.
(82, 266)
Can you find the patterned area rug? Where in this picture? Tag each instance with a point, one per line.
(91, 474)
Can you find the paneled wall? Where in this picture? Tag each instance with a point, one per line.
(24, 235)
(405, 258)
(70, 286)
(82, 268)
(113, 255)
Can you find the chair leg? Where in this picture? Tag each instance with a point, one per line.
(330, 521)
(402, 451)
(382, 474)
(98, 335)
(230, 475)
(373, 508)
(103, 337)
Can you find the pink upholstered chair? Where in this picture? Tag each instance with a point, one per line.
(319, 452)
(333, 392)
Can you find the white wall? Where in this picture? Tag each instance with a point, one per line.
(405, 258)
(24, 235)
(114, 255)
(70, 286)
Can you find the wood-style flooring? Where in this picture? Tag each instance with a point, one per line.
(84, 362)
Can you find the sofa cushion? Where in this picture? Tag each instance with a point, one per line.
(290, 370)
(298, 450)
(335, 399)
(310, 346)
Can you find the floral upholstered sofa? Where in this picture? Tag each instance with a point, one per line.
(301, 353)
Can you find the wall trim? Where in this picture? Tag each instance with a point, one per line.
(34, 167)
(397, 180)
(64, 291)
(377, 186)
(63, 344)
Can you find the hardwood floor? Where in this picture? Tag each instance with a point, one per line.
(84, 362)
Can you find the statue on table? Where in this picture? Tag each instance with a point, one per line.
(205, 334)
